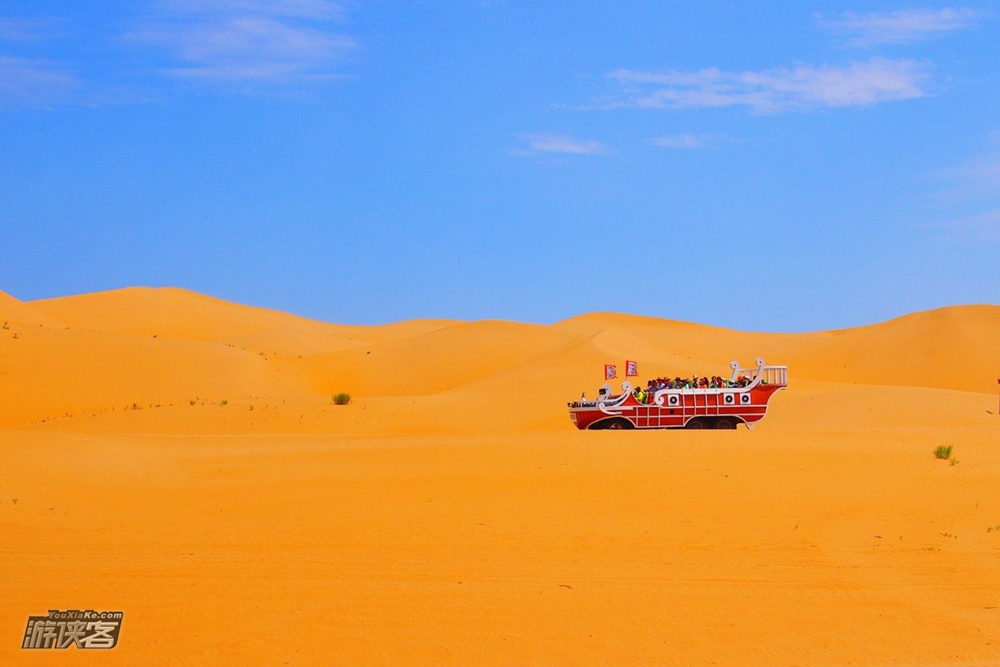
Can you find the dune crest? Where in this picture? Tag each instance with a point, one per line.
(170, 312)
(93, 353)
(13, 310)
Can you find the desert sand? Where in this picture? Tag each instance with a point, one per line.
(179, 458)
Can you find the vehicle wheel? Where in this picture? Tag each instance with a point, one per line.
(726, 424)
(695, 424)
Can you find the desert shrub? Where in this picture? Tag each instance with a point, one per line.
(943, 451)
(341, 399)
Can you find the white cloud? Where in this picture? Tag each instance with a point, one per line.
(308, 9)
(903, 26)
(559, 143)
(977, 179)
(249, 41)
(865, 83)
(684, 141)
(983, 226)
(249, 45)
(973, 185)
(28, 30)
(33, 82)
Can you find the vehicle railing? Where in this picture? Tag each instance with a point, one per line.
(772, 375)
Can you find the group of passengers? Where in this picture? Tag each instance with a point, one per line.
(694, 382)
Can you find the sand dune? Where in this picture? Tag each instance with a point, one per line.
(178, 457)
(953, 348)
(13, 311)
(160, 346)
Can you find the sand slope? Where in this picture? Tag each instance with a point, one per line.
(14, 311)
(952, 348)
(148, 347)
(179, 458)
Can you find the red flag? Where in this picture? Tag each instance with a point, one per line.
(631, 369)
(610, 371)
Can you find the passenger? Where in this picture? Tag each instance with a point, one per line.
(694, 382)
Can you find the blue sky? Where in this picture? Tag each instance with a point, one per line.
(757, 165)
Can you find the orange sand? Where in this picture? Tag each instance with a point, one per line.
(179, 458)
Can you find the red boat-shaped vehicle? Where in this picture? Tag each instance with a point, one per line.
(740, 400)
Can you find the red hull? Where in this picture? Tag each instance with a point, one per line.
(724, 407)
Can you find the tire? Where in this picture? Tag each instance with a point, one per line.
(696, 425)
(614, 424)
(725, 423)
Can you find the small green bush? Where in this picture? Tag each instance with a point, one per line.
(943, 452)
(341, 399)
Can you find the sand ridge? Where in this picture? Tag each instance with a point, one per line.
(149, 347)
(15, 311)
